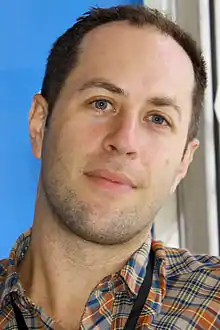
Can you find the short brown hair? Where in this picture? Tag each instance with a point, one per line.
(64, 53)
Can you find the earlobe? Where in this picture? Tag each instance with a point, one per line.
(37, 120)
(185, 163)
(189, 153)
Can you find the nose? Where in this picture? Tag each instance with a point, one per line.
(121, 137)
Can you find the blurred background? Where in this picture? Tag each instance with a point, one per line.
(191, 218)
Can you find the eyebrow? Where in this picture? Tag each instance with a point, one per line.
(156, 101)
(165, 102)
(100, 83)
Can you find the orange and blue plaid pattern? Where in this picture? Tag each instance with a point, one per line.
(185, 292)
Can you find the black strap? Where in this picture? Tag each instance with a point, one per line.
(142, 295)
(18, 315)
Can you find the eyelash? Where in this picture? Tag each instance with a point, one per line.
(168, 124)
(163, 118)
(101, 100)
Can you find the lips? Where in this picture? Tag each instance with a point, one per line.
(116, 178)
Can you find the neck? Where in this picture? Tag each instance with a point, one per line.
(61, 268)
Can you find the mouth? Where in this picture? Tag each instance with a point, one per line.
(111, 181)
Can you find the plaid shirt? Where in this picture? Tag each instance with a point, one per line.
(185, 292)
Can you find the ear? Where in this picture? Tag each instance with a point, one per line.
(37, 120)
(185, 162)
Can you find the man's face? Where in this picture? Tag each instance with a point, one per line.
(113, 151)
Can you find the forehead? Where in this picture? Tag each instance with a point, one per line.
(136, 59)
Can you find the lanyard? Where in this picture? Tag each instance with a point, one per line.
(18, 315)
(142, 294)
(135, 312)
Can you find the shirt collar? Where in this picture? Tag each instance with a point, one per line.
(134, 271)
(12, 283)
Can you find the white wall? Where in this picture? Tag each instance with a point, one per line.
(194, 210)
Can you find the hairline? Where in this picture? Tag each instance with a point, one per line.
(79, 50)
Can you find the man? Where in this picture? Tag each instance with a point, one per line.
(115, 128)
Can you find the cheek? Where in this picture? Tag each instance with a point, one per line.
(78, 138)
(154, 153)
(161, 159)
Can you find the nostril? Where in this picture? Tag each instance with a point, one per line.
(112, 148)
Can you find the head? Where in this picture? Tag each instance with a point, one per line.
(115, 124)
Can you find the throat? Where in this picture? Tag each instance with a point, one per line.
(62, 296)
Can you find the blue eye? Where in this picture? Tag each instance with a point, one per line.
(159, 120)
(101, 104)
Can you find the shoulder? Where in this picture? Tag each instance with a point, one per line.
(3, 269)
(181, 261)
(190, 285)
(3, 274)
